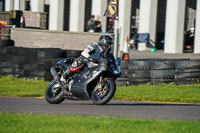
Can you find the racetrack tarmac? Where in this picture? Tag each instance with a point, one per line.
(169, 111)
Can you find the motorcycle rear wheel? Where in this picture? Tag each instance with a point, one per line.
(103, 96)
(54, 97)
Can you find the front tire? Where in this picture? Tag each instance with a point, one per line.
(105, 94)
(54, 95)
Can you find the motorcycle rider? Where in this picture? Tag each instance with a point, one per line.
(93, 53)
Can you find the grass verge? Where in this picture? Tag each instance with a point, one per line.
(10, 86)
(160, 93)
(19, 87)
(37, 123)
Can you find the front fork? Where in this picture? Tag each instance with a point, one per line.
(100, 86)
(101, 78)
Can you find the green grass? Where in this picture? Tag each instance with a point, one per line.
(38, 123)
(160, 93)
(19, 87)
(10, 86)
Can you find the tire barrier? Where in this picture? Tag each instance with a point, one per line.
(158, 71)
(187, 71)
(73, 53)
(31, 62)
(124, 72)
(138, 74)
(188, 64)
(4, 43)
(139, 71)
(162, 64)
(162, 71)
(122, 81)
(36, 62)
(139, 64)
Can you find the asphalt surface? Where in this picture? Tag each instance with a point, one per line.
(167, 111)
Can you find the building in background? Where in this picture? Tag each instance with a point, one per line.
(2, 7)
(170, 23)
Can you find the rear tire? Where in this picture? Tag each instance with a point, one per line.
(54, 98)
(110, 91)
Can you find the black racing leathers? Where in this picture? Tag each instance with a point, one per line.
(93, 52)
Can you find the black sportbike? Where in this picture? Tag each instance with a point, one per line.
(94, 81)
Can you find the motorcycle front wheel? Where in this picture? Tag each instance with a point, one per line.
(54, 93)
(103, 95)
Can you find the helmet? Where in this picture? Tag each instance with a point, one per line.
(105, 41)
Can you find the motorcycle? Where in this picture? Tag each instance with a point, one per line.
(94, 82)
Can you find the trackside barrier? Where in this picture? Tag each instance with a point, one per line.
(36, 63)
(158, 71)
(31, 62)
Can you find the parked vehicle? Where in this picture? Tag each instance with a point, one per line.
(95, 82)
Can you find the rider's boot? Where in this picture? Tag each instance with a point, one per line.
(66, 74)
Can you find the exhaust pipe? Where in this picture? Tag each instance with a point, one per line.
(54, 73)
(56, 77)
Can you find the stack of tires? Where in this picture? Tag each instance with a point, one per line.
(44, 60)
(29, 62)
(162, 71)
(187, 71)
(6, 68)
(6, 65)
(73, 53)
(158, 71)
(4, 43)
(139, 71)
(36, 63)
(123, 79)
